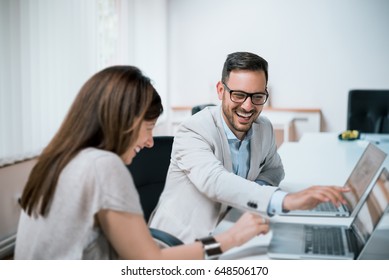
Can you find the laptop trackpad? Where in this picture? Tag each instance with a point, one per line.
(280, 244)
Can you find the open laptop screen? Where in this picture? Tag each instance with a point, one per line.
(371, 160)
(376, 203)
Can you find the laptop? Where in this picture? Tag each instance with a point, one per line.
(304, 241)
(358, 181)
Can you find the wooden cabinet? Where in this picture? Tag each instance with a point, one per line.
(301, 121)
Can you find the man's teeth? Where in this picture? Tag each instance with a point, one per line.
(244, 115)
(137, 149)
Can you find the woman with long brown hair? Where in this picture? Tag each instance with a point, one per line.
(80, 201)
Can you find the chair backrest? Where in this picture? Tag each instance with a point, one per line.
(198, 108)
(149, 169)
(368, 111)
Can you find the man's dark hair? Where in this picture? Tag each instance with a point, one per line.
(244, 61)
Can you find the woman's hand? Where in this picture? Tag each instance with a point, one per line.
(248, 226)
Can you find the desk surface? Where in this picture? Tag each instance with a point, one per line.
(317, 159)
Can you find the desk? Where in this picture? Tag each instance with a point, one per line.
(318, 158)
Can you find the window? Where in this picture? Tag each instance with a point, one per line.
(51, 48)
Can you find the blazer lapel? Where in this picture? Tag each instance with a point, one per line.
(255, 154)
(227, 162)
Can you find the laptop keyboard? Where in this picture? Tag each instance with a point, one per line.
(326, 207)
(323, 241)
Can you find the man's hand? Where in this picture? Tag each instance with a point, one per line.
(312, 196)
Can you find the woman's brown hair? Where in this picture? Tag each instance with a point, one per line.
(106, 114)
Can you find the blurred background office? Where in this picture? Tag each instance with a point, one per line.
(318, 50)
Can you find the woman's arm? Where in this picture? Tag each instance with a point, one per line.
(130, 236)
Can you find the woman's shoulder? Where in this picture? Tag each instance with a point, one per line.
(94, 154)
(97, 159)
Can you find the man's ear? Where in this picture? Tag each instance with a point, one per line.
(220, 90)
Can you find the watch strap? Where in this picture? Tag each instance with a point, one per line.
(211, 247)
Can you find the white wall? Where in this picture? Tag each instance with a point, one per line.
(317, 49)
(150, 43)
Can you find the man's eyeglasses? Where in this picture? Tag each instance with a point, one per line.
(239, 96)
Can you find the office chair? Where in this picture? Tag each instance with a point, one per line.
(198, 108)
(368, 111)
(149, 169)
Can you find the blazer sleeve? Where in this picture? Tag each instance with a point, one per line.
(197, 154)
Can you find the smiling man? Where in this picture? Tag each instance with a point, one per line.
(227, 156)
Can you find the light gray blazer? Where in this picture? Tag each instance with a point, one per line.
(200, 181)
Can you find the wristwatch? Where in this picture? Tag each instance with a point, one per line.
(211, 247)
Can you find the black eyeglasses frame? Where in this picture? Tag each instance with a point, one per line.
(230, 91)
